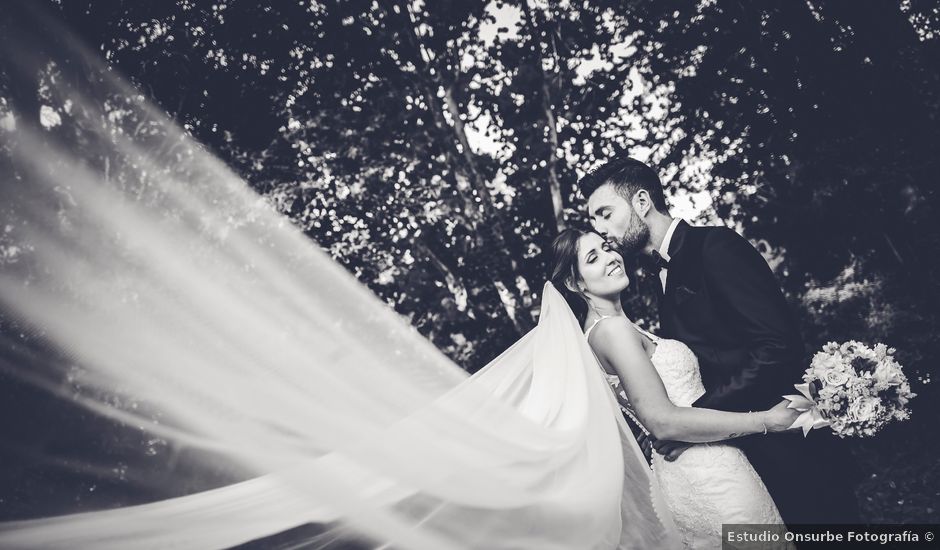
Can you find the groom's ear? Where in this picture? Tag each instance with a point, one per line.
(642, 202)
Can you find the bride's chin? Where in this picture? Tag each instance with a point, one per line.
(618, 287)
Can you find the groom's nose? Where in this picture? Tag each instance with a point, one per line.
(593, 220)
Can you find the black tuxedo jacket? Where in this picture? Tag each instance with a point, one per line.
(723, 301)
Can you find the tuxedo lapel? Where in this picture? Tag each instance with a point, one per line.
(676, 259)
(667, 301)
(678, 239)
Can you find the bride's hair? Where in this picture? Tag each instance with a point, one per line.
(565, 270)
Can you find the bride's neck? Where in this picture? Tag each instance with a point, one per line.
(605, 307)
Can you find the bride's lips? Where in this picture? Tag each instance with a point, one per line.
(616, 268)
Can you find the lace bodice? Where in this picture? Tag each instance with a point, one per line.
(677, 367)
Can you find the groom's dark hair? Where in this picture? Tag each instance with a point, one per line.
(627, 176)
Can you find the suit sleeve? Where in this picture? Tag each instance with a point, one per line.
(741, 282)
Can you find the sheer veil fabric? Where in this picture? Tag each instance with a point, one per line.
(554, 465)
(185, 293)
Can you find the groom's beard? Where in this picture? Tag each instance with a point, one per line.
(635, 239)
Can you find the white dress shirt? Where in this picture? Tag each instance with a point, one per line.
(664, 249)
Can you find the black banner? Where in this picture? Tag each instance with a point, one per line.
(812, 537)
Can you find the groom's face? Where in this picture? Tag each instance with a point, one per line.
(616, 219)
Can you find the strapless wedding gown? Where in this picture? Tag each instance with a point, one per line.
(710, 483)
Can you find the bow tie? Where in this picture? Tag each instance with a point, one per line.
(657, 262)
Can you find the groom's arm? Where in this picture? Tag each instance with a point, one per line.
(739, 279)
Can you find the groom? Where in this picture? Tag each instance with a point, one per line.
(720, 298)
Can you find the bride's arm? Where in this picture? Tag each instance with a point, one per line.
(618, 345)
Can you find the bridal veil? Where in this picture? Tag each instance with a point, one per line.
(188, 295)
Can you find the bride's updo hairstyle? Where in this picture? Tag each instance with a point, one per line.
(565, 270)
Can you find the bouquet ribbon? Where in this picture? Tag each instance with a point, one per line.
(810, 417)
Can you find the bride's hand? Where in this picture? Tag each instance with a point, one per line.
(780, 418)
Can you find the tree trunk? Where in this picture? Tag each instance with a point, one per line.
(501, 269)
(554, 185)
(454, 283)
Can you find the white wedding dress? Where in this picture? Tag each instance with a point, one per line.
(710, 483)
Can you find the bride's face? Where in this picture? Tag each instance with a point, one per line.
(601, 268)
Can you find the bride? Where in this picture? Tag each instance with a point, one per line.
(709, 485)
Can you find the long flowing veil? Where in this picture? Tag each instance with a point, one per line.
(221, 327)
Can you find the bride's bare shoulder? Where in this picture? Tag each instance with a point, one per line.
(614, 332)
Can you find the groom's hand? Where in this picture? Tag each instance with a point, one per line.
(670, 449)
(646, 445)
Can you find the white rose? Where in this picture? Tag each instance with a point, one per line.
(865, 408)
(836, 378)
(885, 374)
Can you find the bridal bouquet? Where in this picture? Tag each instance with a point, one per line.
(852, 388)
